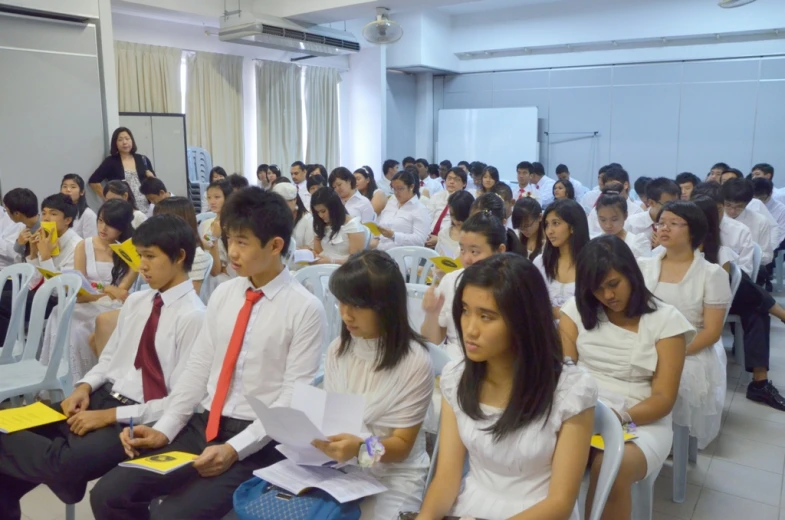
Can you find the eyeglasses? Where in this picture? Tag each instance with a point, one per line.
(738, 207)
(400, 190)
(670, 225)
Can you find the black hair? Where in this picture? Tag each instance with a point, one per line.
(181, 207)
(359, 282)
(169, 233)
(121, 188)
(735, 172)
(81, 204)
(685, 177)
(433, 171)
(113, 145)
(408, 160)
(314, 180)
(152, 186)
(696, 220)
(492, 228)
(737, 190)
(601, 256)
(494, 173)
(562, 168)
(61, 203)
(335, 208)
(766, 168)
(345, 175)
(570, 189)
(389, 163)
(458, 172)
(640, 185)
(662, 185)
(503, 190)
(463, 163)
(446, 164)
(720, 166)
(524, 165)
(522, 299)
(422, 162)
(119, 215)
(409, 178)
(711, 242)
(527, 208)
(460, 204)
(224, 185)
(761, 186)
(237, 181)
(538, 169)
(611, 197)
(22, 200)
(261, 168)
(574, 215)
(711, 190)
(477, 168)
(298, 164)
(367, 172)
(617, 174)
(490, 202)
(273, 168)
(264, 213)
(219, 170)
(281, 180)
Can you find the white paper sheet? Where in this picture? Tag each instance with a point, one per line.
(304, 256)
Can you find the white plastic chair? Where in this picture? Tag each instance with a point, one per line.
(738, 331)
(643, 496)
(368, 237)
(203, 291)
(756, 258)
(414, 262)
(27, 377)
(607, 424)
(316, 278)
(204, 216)
(20, 276)
(415, 294)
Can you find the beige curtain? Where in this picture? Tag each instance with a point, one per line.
(214, 107)
(279, 107)
(148, 78)
(321, 109)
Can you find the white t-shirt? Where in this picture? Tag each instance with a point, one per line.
(337, 247)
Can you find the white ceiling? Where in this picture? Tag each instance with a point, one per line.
(480, 6)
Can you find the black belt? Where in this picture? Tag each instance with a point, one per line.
(117, 396)
(229, 424)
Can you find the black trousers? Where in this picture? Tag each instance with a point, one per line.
(54, 456)
(752, 303)
(6, 307)
(126, 493)
(770, 266)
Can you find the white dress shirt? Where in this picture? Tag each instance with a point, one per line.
(282, 347)
(9, 232)
(544, 189)
(590, 199)
(302, 191)
(433, 186)
(762, 232)
(777, 210)
(759, 207)
(65, 260)
(86, 226)
(778, 194)
(738, 238)
(359, 206)
(303, 232)
(410, 222)
(594, 222)
(580, 189)
(181, 321)
(640, 223)
(436, 205)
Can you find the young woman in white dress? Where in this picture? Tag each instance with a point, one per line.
(85, 224)
(366, 186)
(345, 185)
(521, 413)
(566, 232)
(460, 205)
(404, 221)
(303, 221)
(682, 277)
(121, 190)
(612, 213)
(527, 219)
(211, 235)
(380, 357)
(111, 278)
(337, 234)
(633, 345)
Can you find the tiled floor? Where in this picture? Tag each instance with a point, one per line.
(738, 476)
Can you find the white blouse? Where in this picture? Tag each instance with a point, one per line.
(86, 226)
(638, 244)
(303, 232)
(411, 223)
(558, 292)
(509, 476)
(139, 219)
(337, 247)
(359, 206)
(447, 288)
(445, 245)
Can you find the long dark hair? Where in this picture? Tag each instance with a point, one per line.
(568, 187)
(367, 172)
(121, 188)
(81, 205)
(119, 215)
(527, 208)
(696, 220)
(113, 145)
(494, 173)
(487, 224)
(602, 255)
(522, 299)
(330, 200)
(359, 282)
(183, 208)
(712, 241)
(573, 214)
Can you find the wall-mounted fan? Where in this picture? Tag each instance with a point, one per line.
(729, 4)
(382, 30)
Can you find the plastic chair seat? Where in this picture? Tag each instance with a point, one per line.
(22, 378)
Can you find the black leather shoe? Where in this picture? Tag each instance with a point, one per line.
(767, 394)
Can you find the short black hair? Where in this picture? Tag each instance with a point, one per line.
(562, 168)
(460, 204)
(640, 186)
(299, 164)
(446, 163)
(314, 180)
(433, 169)
(685, 177)
(408, 160)
(503, 190)
(735, 172)
(63, 204)
(409, 178)
(389, 163)
(237, 181)
(169, 233)
(662, 185)
(711, 190)
(477, 168)
(696, 219)
(458, 172)
(343, 174)
(762, 186)
(765, 168)
(537, 169)
(491, 203)
(152, 186)
(22, 200)
(264, 213)
(720, 166)
(616, 173)
(524, 165)
(737, 190)
(422, 162)
(224, 185)
(464, 163)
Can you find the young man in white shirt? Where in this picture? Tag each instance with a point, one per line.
(737, 194)
(590, 199)
(262, 335)
(766, 171)
(433, 186)
(621, 176)
(523, 173)
(21, 206)
(143, 360)
(687, 182)
(755, 205)
(658, 192)
(298, 173)
(154, 191)
(541, 184)
(389, 168)
(563, 173)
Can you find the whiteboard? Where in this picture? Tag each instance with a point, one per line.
(500, 137)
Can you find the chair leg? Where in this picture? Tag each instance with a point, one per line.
(681, 441)
(70, 512)
(643, 497)
(693, 450)
(778, 269)
(738, 344)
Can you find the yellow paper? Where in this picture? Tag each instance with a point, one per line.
(51, 274)
(26, 417)
(597, 442)
(162, 463)
(127, 251)
(446, 263)
(373, 227)
(51, 228)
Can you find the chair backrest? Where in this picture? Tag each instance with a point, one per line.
(201, 217)
(203, 291)
(199, 164)
(756, 256)
(368, 237)
(20, 276)
(607, 424)
(414, 263)
(66, 287)
(315, 278)
(415, 294)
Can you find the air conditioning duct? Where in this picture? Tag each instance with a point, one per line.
(285, 35)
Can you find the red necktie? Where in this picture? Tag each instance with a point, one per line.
(442, 184)
(439, 220)
(521, 193)
(230, 360)
(422, 183)
(153, 382)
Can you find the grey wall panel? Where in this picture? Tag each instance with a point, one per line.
(481, 99)
(468, 82)
(521, 79)
(591, 77)
(645, 128)
(401, 111)
(769, 144)
(723, 70)
(772, 68)
(44, 35)
(647, 74)
(716, 123)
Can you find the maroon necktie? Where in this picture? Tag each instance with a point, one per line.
(422, 183)
(153, 382)
(439, 221)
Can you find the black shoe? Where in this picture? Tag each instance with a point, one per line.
(769, 287)
(766, 394)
